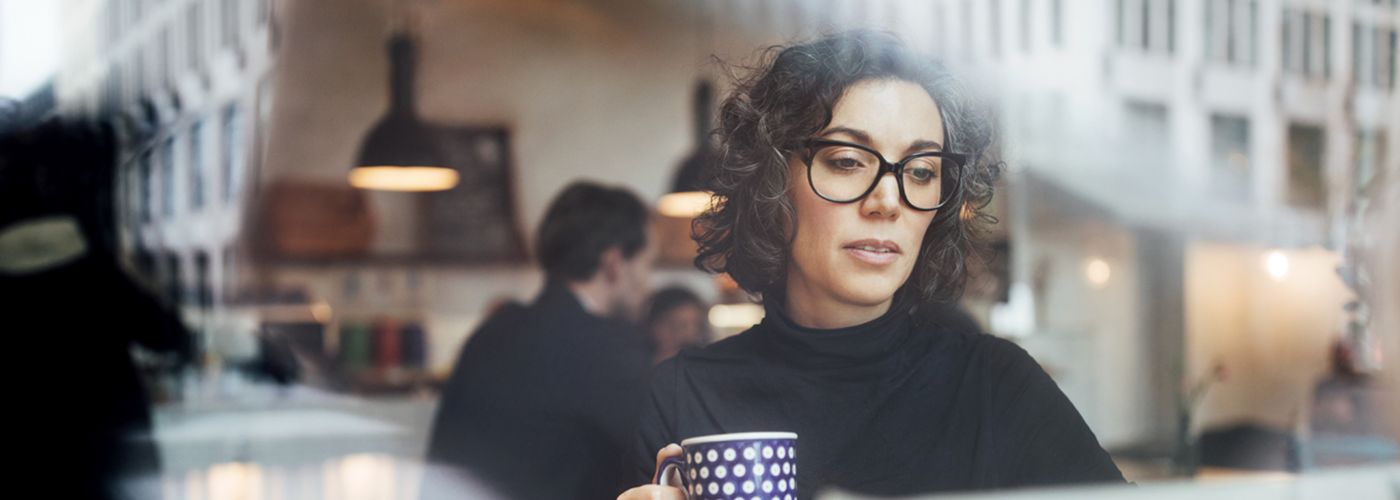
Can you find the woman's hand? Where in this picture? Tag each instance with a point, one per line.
(655, 491)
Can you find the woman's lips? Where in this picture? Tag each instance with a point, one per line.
(874, 252)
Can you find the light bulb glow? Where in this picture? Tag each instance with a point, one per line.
(410, 179)
(1097, 272)
(1276, 264)
(685, 204)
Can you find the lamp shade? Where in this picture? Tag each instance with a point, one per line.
(401, 153)
(689, 195)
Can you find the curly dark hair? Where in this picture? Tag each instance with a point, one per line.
(785, 100)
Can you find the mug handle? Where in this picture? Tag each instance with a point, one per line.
(664, 468)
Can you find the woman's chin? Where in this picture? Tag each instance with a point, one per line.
(868, 290)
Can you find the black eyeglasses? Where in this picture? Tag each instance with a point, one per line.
(844, 172)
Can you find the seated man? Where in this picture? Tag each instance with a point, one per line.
(542, 399)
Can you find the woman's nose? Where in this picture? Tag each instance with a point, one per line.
(883, 202)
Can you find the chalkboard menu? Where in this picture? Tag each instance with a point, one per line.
(474, 222)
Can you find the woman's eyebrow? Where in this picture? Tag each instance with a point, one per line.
(863, 137)
(923, 145)
(859, 135)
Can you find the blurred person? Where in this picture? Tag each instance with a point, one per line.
(83, 419)
(848, 262)
(676, 320)
(542, 401)
(1346, 420)
(1340, 400)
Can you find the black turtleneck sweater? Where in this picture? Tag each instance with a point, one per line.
(899, 405)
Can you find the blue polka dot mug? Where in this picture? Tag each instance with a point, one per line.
(738, 466)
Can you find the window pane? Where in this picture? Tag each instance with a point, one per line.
(196, 156)
(231, 151)
(1230, 162)
(1305, 166)
(167, 178)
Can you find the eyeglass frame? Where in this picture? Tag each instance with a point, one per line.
(809, 154)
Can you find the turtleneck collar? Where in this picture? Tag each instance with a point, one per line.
(861, 344)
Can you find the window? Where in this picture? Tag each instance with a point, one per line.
(1359, 54)
(139, 82)
(1388, 58)
(167, 177)
(1120, 19)
(1147, 25)
(203, 294)
(230, 277)
(146, 191)
(165, 66)
(1307, 44)
(1370, 157)
(1230, 31)
(1373, 56)
(1146, 129)
(1170, 20)
(1319, 48)
(228, 18)
(1306, 145)
(1229, 145)
(194, 36)
(231, 151)
(197, 165)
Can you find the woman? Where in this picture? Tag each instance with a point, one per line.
(675, 321)
(850, 263)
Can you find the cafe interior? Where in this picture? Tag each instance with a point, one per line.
(1196, 232)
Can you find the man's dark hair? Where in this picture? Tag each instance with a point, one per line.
(583, 222)
(789, 97)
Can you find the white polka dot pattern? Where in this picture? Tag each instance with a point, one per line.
(741, 470)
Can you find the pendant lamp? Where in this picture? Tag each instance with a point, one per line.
(401, 153)
(689, 195)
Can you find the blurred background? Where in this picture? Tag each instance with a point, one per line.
(1197, 241)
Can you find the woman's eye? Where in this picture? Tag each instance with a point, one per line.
(921, 174)
(847, 163)
(844, 162)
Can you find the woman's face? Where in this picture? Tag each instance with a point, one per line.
(856, 255)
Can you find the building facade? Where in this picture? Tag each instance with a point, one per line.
(188, 81)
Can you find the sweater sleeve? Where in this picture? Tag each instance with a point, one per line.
(1037, 436)
(656, 427)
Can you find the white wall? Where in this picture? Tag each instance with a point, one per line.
(1272, 336)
